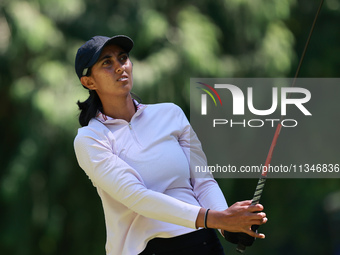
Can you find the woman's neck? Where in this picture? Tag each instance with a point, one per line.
(120, 108)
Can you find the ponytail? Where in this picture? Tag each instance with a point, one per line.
(89, 108)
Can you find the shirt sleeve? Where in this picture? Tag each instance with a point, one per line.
(114, 176)
(205, 186)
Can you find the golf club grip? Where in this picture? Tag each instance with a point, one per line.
(258, 191)
(242, 239)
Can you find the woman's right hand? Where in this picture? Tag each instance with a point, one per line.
(237, 218)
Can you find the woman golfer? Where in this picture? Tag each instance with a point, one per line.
(141, 159)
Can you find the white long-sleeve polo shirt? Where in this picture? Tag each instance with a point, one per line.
(144, 174)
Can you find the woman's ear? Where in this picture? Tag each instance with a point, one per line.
(87, 82)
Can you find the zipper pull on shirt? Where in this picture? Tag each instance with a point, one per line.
(130, 125)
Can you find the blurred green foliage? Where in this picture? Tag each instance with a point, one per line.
(47, 204)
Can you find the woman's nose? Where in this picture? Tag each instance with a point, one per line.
(119, 68)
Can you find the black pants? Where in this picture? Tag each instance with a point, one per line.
(200, 242)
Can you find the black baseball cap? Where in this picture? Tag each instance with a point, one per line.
(90, 51)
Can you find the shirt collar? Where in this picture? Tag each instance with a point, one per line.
(104, 118)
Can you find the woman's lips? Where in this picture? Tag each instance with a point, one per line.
(123, 78)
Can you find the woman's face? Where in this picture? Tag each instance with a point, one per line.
(112, 74)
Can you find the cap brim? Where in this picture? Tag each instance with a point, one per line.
(122, 41)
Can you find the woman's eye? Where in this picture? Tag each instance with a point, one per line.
(106, 62)
(123, 58)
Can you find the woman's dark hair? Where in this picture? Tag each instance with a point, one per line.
(89, 108)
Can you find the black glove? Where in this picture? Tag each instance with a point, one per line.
(241, 239)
